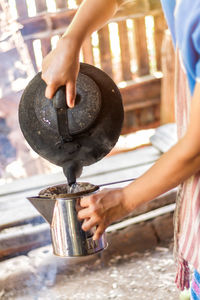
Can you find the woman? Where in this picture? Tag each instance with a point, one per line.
(181, 164)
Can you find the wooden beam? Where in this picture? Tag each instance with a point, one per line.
(142, 218)
(41, 6)
(22, 9)
(159, 28)
(24, 238)
(167, 87)
(141, 47)
(29, 44)
(147, 88)
(45, 46)
(60, 4)
(125, 51)
(48, 23)
(141, 104)
(105, 50)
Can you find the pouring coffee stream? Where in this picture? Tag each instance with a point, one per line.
(71, 138)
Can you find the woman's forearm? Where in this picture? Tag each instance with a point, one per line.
(175, 166)
(170, 170)
(91, 15)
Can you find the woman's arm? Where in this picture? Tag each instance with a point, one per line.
(178, 164)
(61, 66)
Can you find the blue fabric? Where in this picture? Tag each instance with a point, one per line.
(195, 286)
(185, 29)
(168, 8)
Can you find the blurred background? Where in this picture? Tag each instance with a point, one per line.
(129, 48)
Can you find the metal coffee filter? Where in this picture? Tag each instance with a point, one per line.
(66, 191)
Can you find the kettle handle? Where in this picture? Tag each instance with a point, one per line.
(60, 105)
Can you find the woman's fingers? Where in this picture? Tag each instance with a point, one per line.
(99, 231)
(84, 213)
(88, 200)
(70, 93)
(50, 91)
(88, 224)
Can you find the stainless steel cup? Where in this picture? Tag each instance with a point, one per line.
(68, 238)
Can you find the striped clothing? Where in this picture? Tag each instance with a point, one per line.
(186, 37)
(187, 215)
(195, 286)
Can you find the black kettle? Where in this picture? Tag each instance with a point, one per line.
(73, 137)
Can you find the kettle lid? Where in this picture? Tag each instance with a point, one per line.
(80, 117)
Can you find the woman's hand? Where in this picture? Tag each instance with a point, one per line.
(102, 209)
(60, 67)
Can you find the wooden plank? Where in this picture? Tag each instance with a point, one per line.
(107, 164)
(45, 46)
(155, 5)
(141, 47)
(145, 103)
(125, 51)
(163, 200)
(167, 87)
(121, 161)
(39, 25)
(23, 239)
(134, 121)
(29, 44)
(134, 128)
(88, 51)
(105, 50)
(41, 6)
(159, 28)
(147, 87)
(142, 218)
(165, 137)
(60, 4)
(22, 9)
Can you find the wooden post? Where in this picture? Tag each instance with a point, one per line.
(167, 86)
(60, 4)
(160, 26)
(21, 8)
(105, 51)
(45, 46)
(41, 5)
(125, 51)
(29, 44)
(141, 46)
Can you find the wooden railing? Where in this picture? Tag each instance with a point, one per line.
(131, 58)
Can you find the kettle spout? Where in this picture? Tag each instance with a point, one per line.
(72, 170)
(45, 206)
